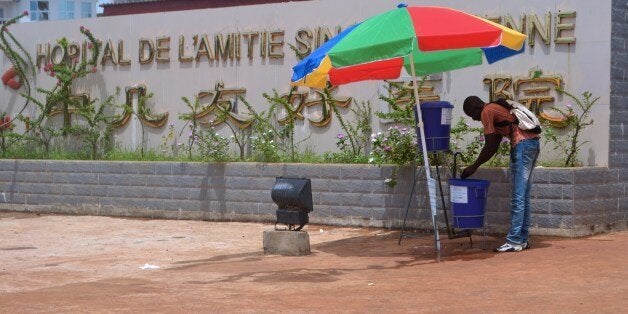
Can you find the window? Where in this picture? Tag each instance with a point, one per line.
(66, 10)
(39, 11)
(86, 9)
(2, 16)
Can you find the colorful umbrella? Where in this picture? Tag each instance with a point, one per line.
(423, 40)
(437, 39)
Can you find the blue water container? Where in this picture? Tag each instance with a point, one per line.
(437, 124)
(468, 202)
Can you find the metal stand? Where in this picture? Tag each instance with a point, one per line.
(451, 233)
(403, 226)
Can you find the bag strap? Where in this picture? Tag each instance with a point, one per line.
(503, 103)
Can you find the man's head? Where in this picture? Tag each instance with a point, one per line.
(473, 106)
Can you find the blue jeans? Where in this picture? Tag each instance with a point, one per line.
(522, 161)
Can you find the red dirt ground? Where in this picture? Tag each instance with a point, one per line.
(92, 264)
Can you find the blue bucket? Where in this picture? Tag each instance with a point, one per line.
(468, 202)
(437, 124)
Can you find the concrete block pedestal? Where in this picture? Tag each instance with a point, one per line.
(284, 242)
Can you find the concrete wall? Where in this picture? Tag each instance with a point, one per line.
(566, 202)
(618, 142)
(618, 148)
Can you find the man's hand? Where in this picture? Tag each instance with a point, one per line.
(491, 144)
(467, 172)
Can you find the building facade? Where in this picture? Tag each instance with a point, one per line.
(124, 7)
(246, 51)
(46, 10)
(225, 55)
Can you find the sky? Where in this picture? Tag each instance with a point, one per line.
(99, 9)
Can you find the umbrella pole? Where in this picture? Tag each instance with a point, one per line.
(431, 184)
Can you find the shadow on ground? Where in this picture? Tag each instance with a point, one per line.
(379, 250)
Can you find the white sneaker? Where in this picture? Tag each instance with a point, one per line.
(509, 247)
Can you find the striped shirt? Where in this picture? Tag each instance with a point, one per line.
(494, 113)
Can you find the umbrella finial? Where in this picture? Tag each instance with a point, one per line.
(402, 5)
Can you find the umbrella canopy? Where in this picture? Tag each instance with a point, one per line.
(424, 40)
(438, 39)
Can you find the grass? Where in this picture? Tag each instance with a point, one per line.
(118, 154)
(136, 155)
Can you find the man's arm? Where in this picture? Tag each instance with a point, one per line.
(491, 144)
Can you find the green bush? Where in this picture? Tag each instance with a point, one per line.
(396, 146)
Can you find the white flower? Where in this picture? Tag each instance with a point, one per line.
(371, 160)
(388, 180)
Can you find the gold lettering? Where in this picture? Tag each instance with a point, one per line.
(533, 91)
(43, 52)
(85, 51)
(427, 93)
(535, 104)
(121, 120)
(162, 48)
(73, 51)
(262, 44)
(560, 27)
(224, 47)
(121, 60)
(68, 106)
(325, 103)
(401, 92)
(536, 94)
(275, 45)
(155, 121)
(323, 34)
(237, 45)
(509, 22)
(304, 41)
(494, 19)
(222, 99)
(296, 102)
(182, 56)
(55, 58)
(109, 53)
(249, 37)
(204, 49)
(146, 51)
(534, 25)
(202, 95)
(498, 87)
